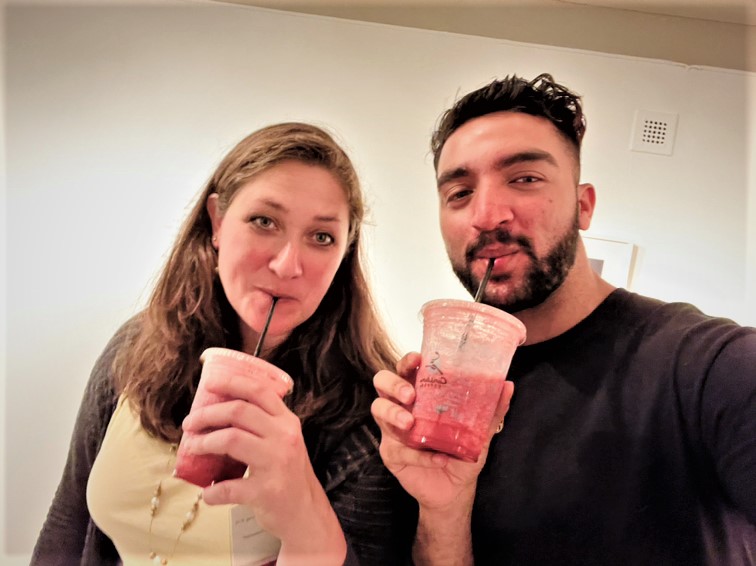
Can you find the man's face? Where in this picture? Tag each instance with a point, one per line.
(507, 187)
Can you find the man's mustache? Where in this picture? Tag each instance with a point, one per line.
(500, 236)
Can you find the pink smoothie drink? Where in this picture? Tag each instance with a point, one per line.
(204, 469)
(466, 352)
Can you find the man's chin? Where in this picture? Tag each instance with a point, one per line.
(511, 307)
(508, 305)
(503, 297)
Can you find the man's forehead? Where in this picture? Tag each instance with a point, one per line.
(496, 135)
(504, 124)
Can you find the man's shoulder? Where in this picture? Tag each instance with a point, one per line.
(675, 316)
(681, 331)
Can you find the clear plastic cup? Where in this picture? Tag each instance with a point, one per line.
(466, 352)
(204, 469)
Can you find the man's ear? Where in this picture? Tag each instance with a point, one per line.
(215, 216)
(586, 194)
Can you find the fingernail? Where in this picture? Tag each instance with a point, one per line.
(439, 459)
(405, 393)
(405, 420)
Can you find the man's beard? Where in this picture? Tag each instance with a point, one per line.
(543, 277)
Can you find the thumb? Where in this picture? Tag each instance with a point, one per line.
(408, 366)
(498, 419)
(502, 407)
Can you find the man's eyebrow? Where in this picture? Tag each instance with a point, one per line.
(524, 157)
(447, 176)
(503, 163)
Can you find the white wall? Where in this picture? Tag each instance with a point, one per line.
(751, 198)
(3, 284)
(116, 116)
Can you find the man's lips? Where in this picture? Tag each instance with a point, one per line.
(501, 257)
(496, 251)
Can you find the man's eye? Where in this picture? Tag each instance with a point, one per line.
(458, 194)
(324, 239)
(527, 179)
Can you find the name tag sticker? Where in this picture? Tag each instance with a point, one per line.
(250, 545)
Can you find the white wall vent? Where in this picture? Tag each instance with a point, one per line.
(653, 132)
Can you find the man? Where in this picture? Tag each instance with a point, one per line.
(631, 438)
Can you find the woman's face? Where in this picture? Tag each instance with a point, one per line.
(283, 235)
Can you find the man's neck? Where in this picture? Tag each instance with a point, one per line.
(578, 296)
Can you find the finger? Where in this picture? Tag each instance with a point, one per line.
(407, 367)
(396, 456)
(393, 419)
(256, 453)
(277, 380)
(230, 492)
(257, 390)
(502, 407)
(234, 413)
(221, 441)
(389, 385)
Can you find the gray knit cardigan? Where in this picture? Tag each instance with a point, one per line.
(377, 516)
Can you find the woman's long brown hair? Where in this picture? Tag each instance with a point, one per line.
(331, 356)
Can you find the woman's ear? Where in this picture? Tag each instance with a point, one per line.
(215, 216)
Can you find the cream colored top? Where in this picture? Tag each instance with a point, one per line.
(129, 466)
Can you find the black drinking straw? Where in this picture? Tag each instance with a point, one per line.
(265, 328)
(484, 281)
(478, 297)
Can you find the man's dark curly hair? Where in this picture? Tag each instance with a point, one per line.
(540, 97)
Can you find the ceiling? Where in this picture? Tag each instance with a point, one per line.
(709, 33)
(741, 12)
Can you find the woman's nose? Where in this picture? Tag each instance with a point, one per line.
(286, 264)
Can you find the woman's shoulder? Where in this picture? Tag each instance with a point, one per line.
(122, 338)
(101, 390)
(355, 454)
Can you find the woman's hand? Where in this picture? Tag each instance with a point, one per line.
(257, 428)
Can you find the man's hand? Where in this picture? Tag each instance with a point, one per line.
(444, 487)
(434, 479)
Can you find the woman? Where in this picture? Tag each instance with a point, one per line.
(280, 217)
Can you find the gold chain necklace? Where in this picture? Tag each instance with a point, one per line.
(156, 558)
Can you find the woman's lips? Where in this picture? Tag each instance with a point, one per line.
(279, 296)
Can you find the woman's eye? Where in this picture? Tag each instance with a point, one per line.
(324, 239)
(262, 222)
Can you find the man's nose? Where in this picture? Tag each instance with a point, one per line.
(491, 207)
(287, 263)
